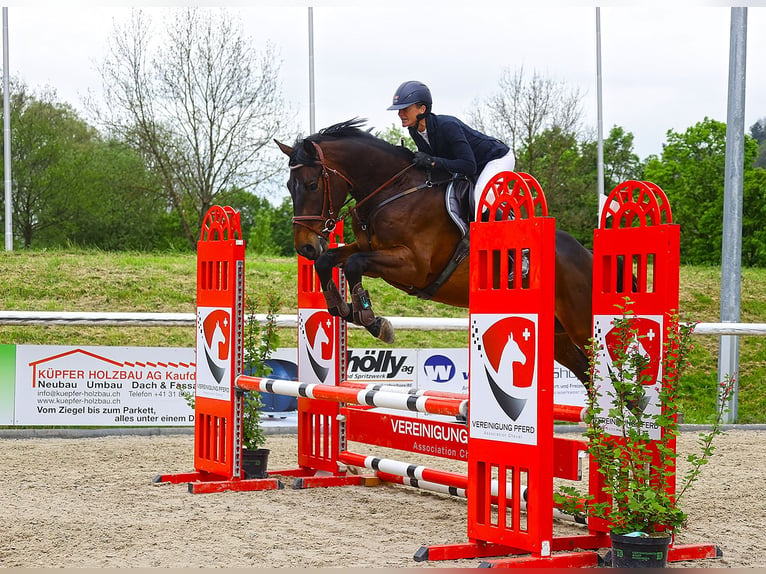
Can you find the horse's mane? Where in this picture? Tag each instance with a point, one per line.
(348, 130)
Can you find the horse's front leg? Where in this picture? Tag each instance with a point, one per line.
(325, 263)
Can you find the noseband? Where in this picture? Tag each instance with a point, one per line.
(327, 217)
(328, 211)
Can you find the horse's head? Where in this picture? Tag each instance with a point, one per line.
(317, 191)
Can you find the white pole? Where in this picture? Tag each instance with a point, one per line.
(312, 120)
(600, 119)
(7, 138)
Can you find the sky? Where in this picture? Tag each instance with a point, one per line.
(665, 65)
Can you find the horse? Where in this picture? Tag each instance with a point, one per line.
(404, 234)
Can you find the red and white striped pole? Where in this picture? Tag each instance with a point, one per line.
(398, 401)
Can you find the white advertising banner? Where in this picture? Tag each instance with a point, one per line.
(103, 386)
(443, 370)
(141, 386)
(567, 389)
(395, 367)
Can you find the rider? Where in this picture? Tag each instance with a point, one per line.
(446, 142)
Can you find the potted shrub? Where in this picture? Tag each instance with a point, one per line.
(259, 341)
(625, 413)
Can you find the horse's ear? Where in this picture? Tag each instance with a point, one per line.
(310, 148)
(286, 149)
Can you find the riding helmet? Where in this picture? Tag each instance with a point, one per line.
(409, 93)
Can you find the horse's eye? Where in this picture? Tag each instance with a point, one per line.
(312, 186)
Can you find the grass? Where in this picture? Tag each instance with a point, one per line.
(75, 280)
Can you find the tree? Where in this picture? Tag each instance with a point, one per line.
(691, 172)
(70, 186)
(758, 131)
(522, 109)
(200, 104)
(620, 162)
(396, 136)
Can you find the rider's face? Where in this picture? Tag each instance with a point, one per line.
(409, 115)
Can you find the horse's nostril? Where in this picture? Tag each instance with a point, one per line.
(307, 250)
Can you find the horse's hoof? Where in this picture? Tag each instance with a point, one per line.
(386, 331)
(381, 329)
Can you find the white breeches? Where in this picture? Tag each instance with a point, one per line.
(505, 163)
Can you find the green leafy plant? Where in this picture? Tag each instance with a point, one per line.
(259, 342)
(639, 472)
(260, 338)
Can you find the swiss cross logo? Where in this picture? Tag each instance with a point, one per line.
(647, 341)
(509, 352)
(317, 331)
(216, 331)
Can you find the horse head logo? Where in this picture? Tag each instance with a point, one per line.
(510, 347)
(216, 331)
(646, 340)
(317, 332)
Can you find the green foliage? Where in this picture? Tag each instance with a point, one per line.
(637, 471)
(566, 172)
(395, 135)
(72, 187)
(691, 172)
(260, 340)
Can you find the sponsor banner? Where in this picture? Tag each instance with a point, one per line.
(567, 389)
(103, 386)
(432, 369)
(7, 383)
(504, 378)
(443, 438)
(648, 341)
(395, 367)
(214, 348)
(443, 370)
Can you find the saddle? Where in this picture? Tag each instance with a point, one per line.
(460, 202)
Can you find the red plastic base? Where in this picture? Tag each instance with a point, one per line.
(205, 482)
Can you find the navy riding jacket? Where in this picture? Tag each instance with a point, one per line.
(457, 147)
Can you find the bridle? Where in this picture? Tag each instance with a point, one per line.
(327, 217)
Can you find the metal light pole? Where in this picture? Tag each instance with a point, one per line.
(731, 251)
(600, 119)
(312, 121)
(7, 138)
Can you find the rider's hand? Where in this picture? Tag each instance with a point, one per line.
(423, 160)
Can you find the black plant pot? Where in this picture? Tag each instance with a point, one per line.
(255, 462)
(639, 551)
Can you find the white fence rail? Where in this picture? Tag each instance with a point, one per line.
(182, 319)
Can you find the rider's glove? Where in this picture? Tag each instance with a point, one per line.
(423, 160)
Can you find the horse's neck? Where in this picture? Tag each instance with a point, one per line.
(373, 171)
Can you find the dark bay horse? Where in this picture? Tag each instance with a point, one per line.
(404, 234)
